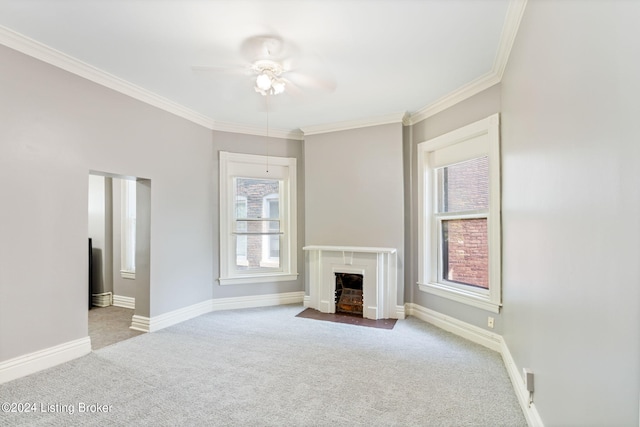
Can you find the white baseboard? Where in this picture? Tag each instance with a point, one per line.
(529, 409)
(43, 359)
(465, 330)
(155, 323)
(140, 323)
(102, 300)
(400, 312)
(124, 302)
(488, 339)
(257, 301)
(146, 324)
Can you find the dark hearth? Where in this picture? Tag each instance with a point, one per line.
(349, 293)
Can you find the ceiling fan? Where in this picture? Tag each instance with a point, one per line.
(276, 67)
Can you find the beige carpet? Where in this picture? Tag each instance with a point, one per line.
(109, 325)
(267, 367)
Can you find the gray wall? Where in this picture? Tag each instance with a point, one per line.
(354, 190)
(571, 209)
(468, 111)
(250, 144)
(55, 128)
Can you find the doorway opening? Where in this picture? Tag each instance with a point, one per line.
(118, 282)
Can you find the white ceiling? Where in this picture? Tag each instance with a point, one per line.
(387, 57)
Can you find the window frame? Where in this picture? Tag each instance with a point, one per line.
(475, 140)
(128, 229)
(245, 260)
(267, 259)
(237, 165)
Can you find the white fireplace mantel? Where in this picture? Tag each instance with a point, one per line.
(378, 267)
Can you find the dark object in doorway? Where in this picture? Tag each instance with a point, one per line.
(90, 272)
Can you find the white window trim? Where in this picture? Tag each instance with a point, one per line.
(244, 261)
(254, 166)
(267, 260)
(490, 300)
(127, 234)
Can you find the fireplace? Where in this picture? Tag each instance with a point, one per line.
(349, 293)
(376, 269)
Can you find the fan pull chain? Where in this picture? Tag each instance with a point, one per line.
(267, 139)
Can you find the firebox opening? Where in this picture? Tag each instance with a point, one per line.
(349, 293)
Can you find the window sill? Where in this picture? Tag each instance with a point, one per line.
(262, 278)
(128, 274)
(460, 296)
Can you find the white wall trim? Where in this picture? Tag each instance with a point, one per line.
(66, 62)
(507, 38)
(451, 324)
(488, 339)
(253, 301)
(355, 124)
(467, 91)
(124, 302)
(258, 130)
(155, 323)
(400, 312)
(51, 56)
(35, 49)
(43, 359)
(530, 411)
(102, 300)
(140, 323)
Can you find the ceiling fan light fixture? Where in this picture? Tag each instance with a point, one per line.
(263, 82)
(268, 81)
(278, 86)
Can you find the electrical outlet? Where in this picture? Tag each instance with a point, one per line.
(490, 321)
(527, 374)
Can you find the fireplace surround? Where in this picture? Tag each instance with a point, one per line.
(378, 267)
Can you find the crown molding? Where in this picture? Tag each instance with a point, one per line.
(355, 124)
(68, 63)
(507, 38)
(35, 49)
(258, 130)
(467, 91)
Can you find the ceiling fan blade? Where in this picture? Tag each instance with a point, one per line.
(234, 70)
(325, 83)
(266, 46)
(291, 88)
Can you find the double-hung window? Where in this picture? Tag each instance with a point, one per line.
(257, 218)
(459, 238)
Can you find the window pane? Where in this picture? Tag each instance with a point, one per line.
(256, 226)
(257, 215)
(464, 186)
(241, 207)
(274, 247)
(273, 207)
(255, 191)
(256, 248)
(465, 252)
